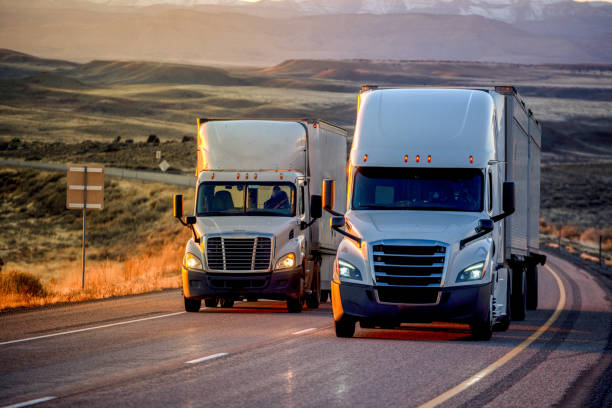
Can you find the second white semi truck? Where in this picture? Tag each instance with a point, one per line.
(442, 216)
(255, 226)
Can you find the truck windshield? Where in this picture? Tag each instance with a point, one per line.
(227, 198)
(386, 188)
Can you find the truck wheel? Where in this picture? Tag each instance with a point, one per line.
(210, 302)
(532, 287)
(192, 305)
(314, 298)
(324, 296)
(345, 327)
(295, 305)
(518, 298)
(251, 298)
(227, 302)
(367, 324)
(482, 329)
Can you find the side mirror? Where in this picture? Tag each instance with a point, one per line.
(485, 225)
(177, 201)
(508, 200)
(337, 222)
(329, 187)
(190, 220)
(316, 207)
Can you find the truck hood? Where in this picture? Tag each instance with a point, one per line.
(447, 227)
(244, 224)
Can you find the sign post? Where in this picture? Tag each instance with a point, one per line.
(85, 190)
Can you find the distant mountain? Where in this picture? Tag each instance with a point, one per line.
(271, 31)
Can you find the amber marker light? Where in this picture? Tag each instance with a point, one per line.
(314, 125)
(246, 176)
(471, 159)
(405, 158)
(365, 158)
(418, 158)
(281, 176)
(255, 176)
(212, 176)
(429, 159)
(237, 176)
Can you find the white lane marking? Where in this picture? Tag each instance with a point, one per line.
(89, 328)
(30, 403)
(211, 357)
(507, 357)
(305, 331)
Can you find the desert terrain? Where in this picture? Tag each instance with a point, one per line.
(120, 113)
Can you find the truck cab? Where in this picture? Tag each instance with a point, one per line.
(255, 222)
(427, 196)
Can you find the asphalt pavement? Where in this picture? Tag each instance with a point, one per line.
(146, 351)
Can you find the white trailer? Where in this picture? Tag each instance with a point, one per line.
(258, 209)
(442, 210)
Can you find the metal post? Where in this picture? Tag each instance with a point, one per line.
(84, 217)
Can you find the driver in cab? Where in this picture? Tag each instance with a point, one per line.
(277, 200)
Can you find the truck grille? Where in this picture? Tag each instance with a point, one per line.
(238, 254)
(408, 273)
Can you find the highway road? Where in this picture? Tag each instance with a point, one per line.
(146, 351)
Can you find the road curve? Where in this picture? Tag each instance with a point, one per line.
(144, 350)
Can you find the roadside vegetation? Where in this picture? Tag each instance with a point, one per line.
(133, 245)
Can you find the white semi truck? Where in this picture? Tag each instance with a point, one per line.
(257, 212)
(442, 211)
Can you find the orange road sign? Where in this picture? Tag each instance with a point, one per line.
(83, 178)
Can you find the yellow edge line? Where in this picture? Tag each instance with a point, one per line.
(507, 357)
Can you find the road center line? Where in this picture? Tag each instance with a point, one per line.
(507, 357)
(30, 403)
(305, 331)
(211, 357)
(89, 328)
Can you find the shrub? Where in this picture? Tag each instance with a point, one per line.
(570, 232)
(21, 283)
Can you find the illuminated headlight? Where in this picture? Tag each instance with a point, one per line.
(286, 262)
(191, 261)
(348, 270)
(472, 272)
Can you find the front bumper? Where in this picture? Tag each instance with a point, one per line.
(453, 304)
(269, 285)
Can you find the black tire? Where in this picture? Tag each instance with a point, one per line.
(481, 328)
(192, 305)
(367, 324)
(251, 298)
(313, 300)
(324, 296)
(532, 287)
(210, 302)
(518, 300)
(227, 302)
(295, 305)
(345, 327)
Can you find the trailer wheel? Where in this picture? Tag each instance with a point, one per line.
(324, 296)
(210, 302)
(345, 327)
(518, 299)
(192, 305)
(314, 298)
(227, 302)
(532, 287)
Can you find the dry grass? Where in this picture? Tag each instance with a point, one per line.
(134, 244)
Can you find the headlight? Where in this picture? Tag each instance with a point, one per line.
(191, 261)
(286, 262)
(472, 272)
(348, 270)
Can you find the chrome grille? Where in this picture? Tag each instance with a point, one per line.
(238, 254)
(408, 266)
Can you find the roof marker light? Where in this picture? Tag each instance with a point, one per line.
(429, 158)
(212, 176)
(405, 158)
(418, 158)
(237, 176)
(314, 125)
(365, 157)
(471, 159)
(281, 176)
(246, 176)
(255, 176)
